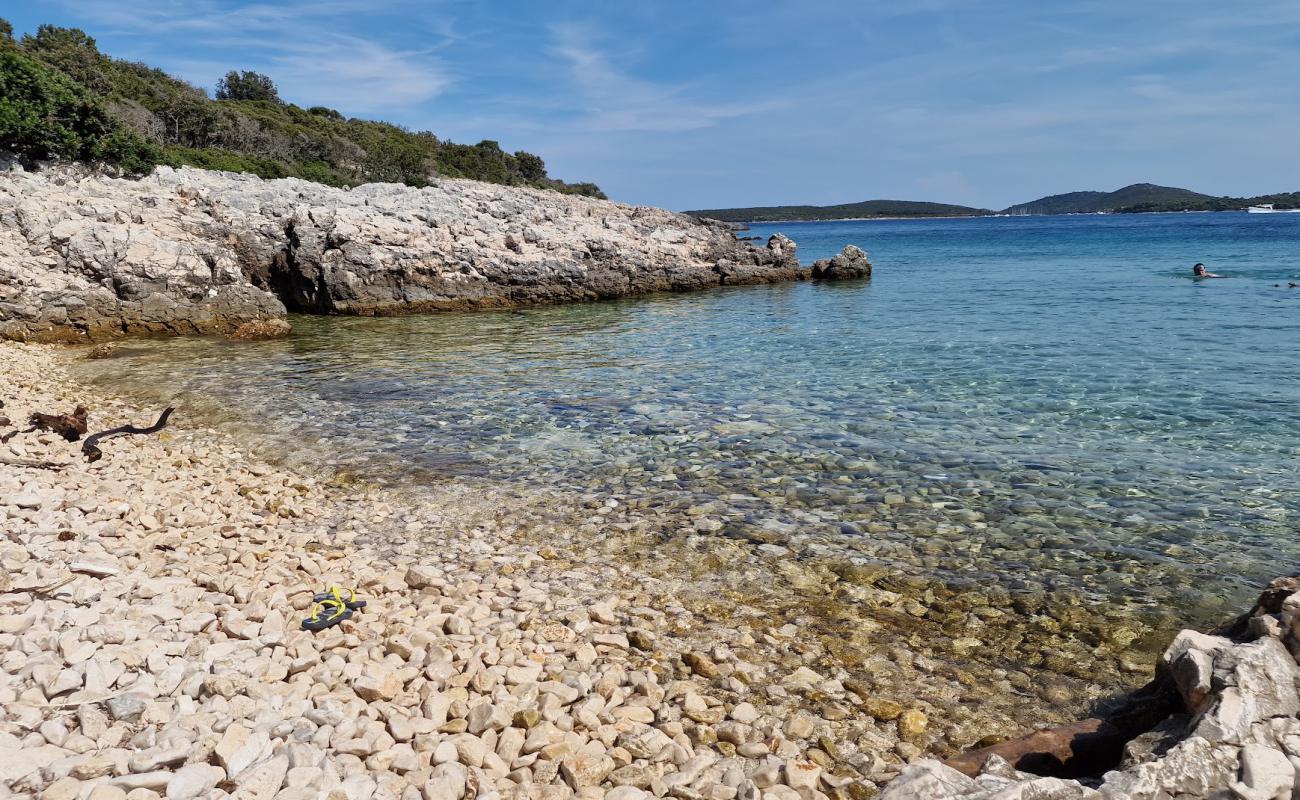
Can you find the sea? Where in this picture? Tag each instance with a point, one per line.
(1042, 406)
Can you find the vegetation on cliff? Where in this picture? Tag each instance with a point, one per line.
(60, 97)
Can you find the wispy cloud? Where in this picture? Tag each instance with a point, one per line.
(302, 46)
(610, 99)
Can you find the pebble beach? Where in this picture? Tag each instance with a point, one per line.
(150, 629)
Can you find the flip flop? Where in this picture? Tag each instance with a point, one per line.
(338, 594)
(326, 614)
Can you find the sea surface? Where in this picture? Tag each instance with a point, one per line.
(1049, 405)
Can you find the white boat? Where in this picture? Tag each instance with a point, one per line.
(1267, 208)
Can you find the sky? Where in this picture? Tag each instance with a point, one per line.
(713, 104)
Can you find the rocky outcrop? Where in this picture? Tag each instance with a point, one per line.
(189, 251)
(1238, 735)
(851, 262)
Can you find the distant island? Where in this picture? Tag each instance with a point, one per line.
(1135, 199)
(863, 210)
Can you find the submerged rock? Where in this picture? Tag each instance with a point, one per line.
(262, 329)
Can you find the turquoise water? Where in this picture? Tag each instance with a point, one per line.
(1049, 405)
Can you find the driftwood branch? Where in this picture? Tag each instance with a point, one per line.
(32, 463)
(46, 589)
(70, 426)
(91, 446)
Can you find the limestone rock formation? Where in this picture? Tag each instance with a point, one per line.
(84, 256)
(1239, 737)
(851, 262)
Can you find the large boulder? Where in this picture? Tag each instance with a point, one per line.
(851, 262)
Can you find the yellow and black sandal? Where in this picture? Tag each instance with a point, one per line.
(326, 614)
(339, 594)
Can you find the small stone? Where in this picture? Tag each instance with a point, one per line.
(239, 748)
(585, 769)
(745, 713)
(641, 640)
(100, 351)
(701, 664)
(1265, 774)
(799, 726)
(881, 709)
(802, 774)
(62, 789)
(107, 791)
(99, 569)
(158, 758)
(421, 577)
(61, 682)
(93, 766)
(446, 782)
(911, 725)
(125, 707)
(194, 780)
(262, 781)
(382, 685)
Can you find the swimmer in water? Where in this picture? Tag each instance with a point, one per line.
(1198, 271)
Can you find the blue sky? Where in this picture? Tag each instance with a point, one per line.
(709, 104)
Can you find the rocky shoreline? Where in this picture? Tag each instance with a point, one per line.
(1234, 733)
(85, 257)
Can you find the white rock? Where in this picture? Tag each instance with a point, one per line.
(261, 781)
(194, 780)
(1266, 774)
(240, 748)
(446, 782)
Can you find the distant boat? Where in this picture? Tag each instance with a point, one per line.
(1267, 208)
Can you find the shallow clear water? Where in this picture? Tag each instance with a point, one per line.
(1048, 404)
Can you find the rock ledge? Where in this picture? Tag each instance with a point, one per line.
(86, 257)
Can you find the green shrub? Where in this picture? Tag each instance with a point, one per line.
(127, 150)
(44, 114)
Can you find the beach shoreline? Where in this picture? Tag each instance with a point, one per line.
(184, 531)
(167, 659)
(151, 610)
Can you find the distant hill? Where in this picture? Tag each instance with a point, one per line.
(1135, 199)
(864, 210)
(1138, 194)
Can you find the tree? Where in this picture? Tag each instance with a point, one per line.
(530, 167)
(71, 50)
(6, 32)
(247, 86)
